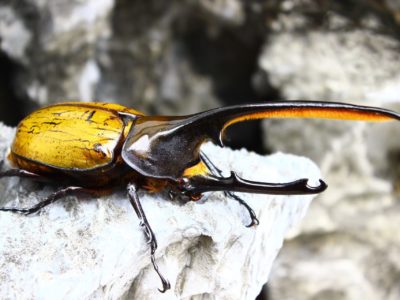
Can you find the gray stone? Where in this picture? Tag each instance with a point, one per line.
(94, 249)
(15, 37)
(347, 249)
(55, 43)
(124, 52)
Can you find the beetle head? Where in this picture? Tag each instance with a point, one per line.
(168, 147)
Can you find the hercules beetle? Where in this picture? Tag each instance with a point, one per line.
(90, 147)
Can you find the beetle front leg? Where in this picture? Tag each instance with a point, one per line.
(217, 172)
(151, 239)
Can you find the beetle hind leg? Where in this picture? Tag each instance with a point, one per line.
(217, 172)
(151, 239)
(68, 191)
(24, 174)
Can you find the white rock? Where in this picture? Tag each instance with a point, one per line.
(94, 249)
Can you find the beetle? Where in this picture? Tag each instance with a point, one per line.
(89, 148)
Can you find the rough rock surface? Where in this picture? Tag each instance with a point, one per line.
(348, 249)
(94, 249)
(177, 57)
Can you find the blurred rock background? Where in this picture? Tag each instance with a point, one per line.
(179, 57)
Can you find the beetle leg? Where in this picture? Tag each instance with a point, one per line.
(24, 174)
(68, 191)
(217, 172)
(151, 239)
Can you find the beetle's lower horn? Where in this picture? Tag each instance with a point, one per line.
(234, 183)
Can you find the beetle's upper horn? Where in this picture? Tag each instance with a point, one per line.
(223, 117)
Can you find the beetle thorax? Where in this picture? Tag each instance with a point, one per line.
(160, 149)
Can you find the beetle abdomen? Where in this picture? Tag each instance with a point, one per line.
(71, 137)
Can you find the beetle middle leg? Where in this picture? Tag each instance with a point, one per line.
(217, 172)
(151, 239)
(64, 192)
